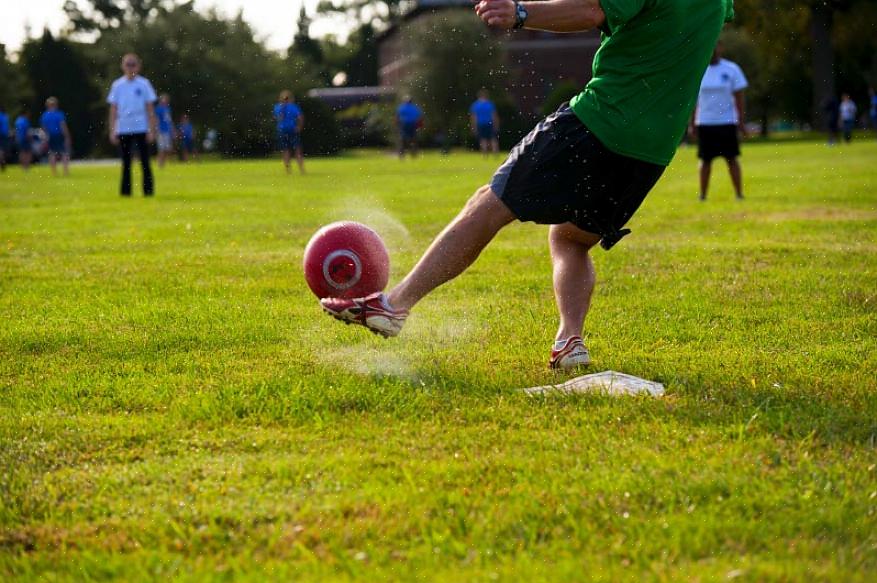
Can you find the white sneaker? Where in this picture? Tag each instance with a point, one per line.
(571, 354)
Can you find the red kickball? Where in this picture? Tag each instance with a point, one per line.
(346, 260)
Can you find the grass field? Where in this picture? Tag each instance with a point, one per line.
(174, 404)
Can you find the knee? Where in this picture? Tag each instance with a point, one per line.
(568, 234)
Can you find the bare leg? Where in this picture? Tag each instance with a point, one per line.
(736, 176)
(705, 169)
(494, 144)
(300, 159)
(65, 160)
(53, 163)
(287, 156)
(574, 276)
(455, 249)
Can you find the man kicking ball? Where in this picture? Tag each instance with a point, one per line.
(587, 167)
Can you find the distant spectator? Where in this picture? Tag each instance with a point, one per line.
(409, 118)
(4, 137)
(718, 118)
(831, 109)
(872, 110)
(22, 138)
(848, 112)
(485, 123)
(290, 121)
(54, 123)
(186, 131)
(132, 121)
(165, 138)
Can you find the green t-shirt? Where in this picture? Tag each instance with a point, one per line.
(647, 73)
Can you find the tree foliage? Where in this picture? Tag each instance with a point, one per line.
(59, 68)
(454, 56)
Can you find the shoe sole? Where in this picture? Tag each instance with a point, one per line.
(348, 323)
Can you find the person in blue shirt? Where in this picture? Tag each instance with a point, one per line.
(165, 138)
(485, 123)
(54, 123)
(290, 121)
(22, 139)
(186, 132)
(4, 137)
(872, 110)
(409, 118)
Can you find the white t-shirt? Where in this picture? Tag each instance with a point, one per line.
(715, 103)
(130, 96)
(848, 110)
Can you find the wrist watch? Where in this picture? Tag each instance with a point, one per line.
(520, 15)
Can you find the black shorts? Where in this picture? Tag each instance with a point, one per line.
(717, 141)
(561, 173)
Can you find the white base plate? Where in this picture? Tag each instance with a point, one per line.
(607, 382)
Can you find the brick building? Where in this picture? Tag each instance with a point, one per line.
(536, 61)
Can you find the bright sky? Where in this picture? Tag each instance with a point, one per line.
(273, 20)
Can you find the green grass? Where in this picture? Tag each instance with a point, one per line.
(174, 404)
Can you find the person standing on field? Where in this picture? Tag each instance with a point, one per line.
(165, 140)
(54, 124)
(409, 118)
(848, 113)
(290, 120)
(719, 118)
(587, 167)
(5, 134)
(22, 139)
(132, 121)
(485, 123)
(186, 132)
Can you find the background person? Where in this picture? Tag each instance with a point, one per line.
(290, 121)
(831, 107)
(22, 138)
(165, 138)
(132, 121)
(4, 137)
(872, 107)
(719, 117)
(485, 123)
(186, 131)
(54, 124)
(587, 167)
(409, 118)
(848, 113)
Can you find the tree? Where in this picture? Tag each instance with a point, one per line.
(13, 91)
(104, 15)
(378, 13)
(454, 56)
(302, 44)
(58, 67)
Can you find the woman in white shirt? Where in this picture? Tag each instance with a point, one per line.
(132, 121)
(718, 118)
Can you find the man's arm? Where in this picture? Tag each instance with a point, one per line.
(740, 104)
(111, 124)
(300, 122)
(68, 140)
(150, 112)
(550, 15)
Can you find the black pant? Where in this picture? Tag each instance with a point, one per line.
(125, 143)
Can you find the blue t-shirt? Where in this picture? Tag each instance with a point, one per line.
(286, 115)
(4, 125)
(22, 127)
(408, 113)
(51, 121)
(165, 121)
(186, 130)
(874, 106)
(483, 110)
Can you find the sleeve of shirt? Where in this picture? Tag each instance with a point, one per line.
(619, 12)
(150, 92)
(740, 82)
(112, 98)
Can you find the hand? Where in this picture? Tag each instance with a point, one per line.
(498, 13)
(150, 137)
(742, 128)
(114, 138)
(692, 133)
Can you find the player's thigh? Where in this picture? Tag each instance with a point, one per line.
(570, 233)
